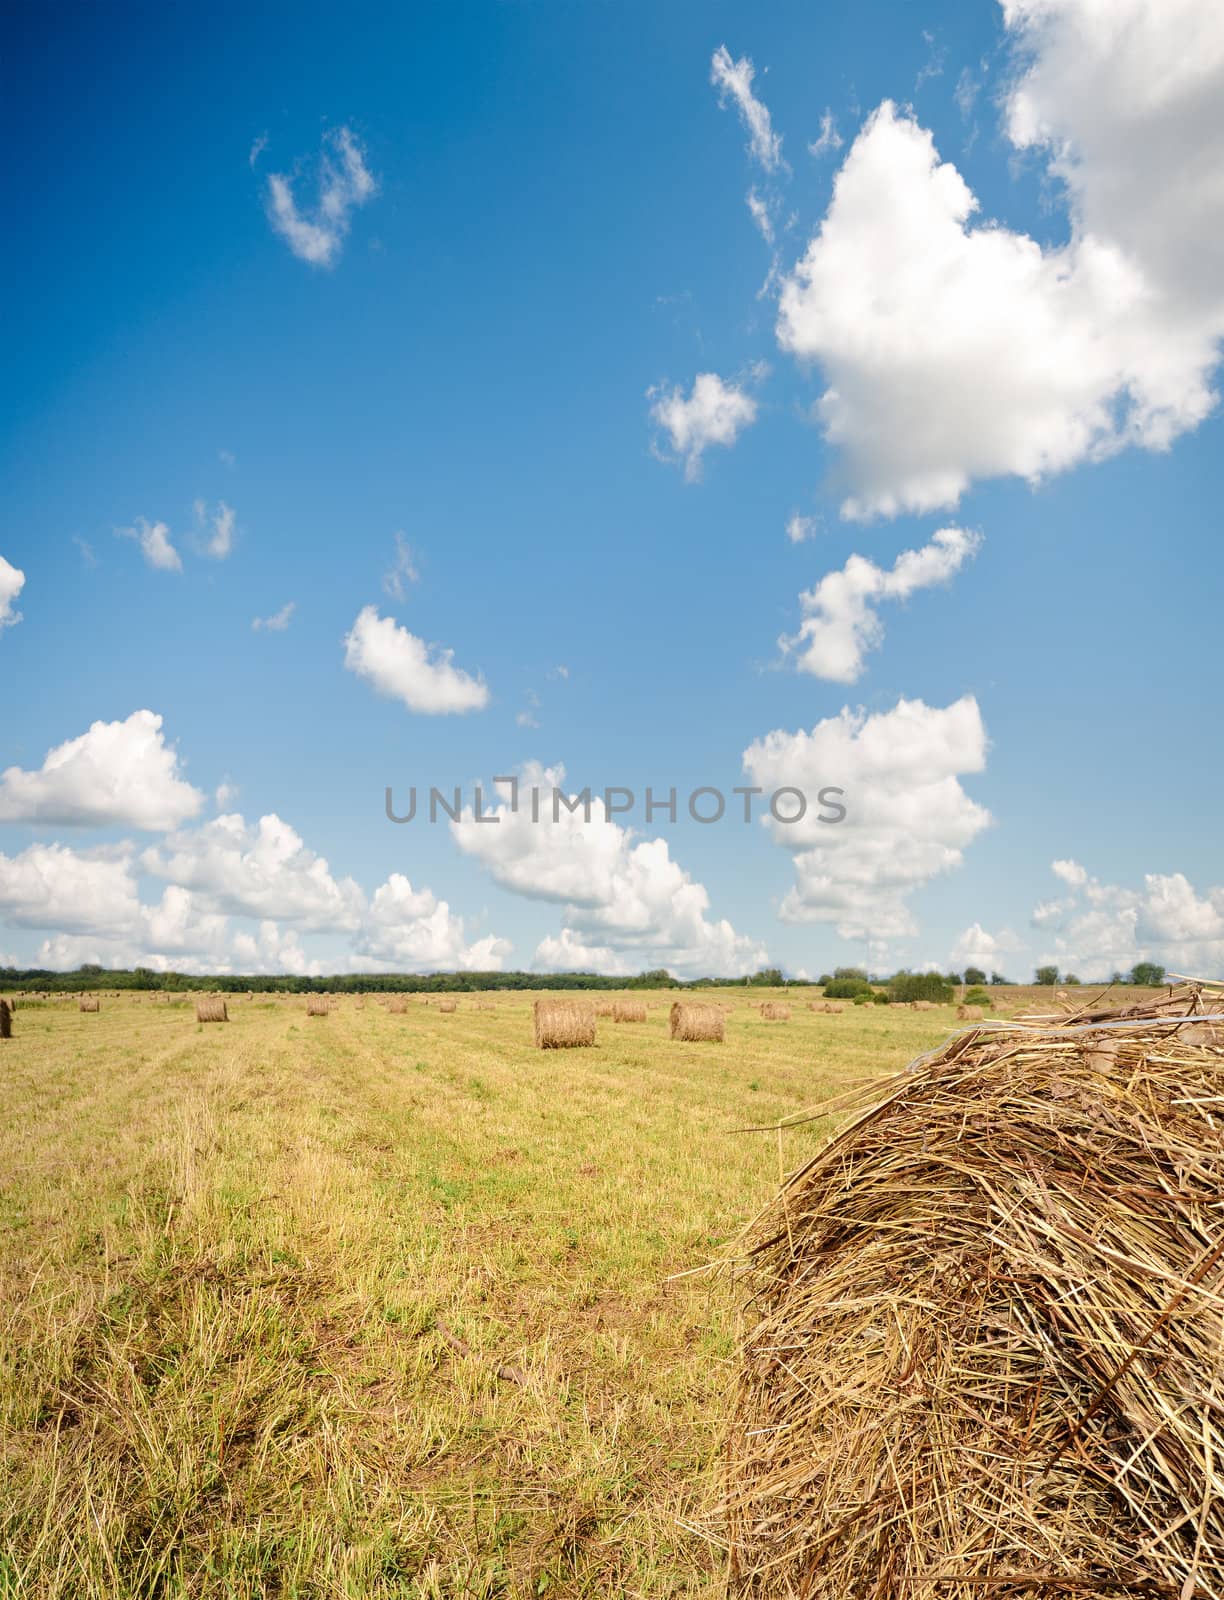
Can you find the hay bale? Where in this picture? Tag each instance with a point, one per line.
(209, 1008)
(563, 1024)
(448, 1005)
(603, 1008)
(6, 1020)
(997, 1292)
(90, 1002)
(923, 1005)
(318, 1005)
(829, 1007)
(774, 1011)
(628, 1011)
(697, 1022)
(969, 1013)
(397, 1005)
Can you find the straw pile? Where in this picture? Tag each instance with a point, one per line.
(563, 1024)
(831, 1007)
(6, 1020)
(629, 1011)
(603, 1008)
(923, 1005)
(90, 1002)
(317, 1005)
(774, 1011)
(693, 1022)
(397, 1005)
(448, 1005)
(209, 1008)
(969, 1013)
(986, 1356)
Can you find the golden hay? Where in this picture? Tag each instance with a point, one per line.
(984, 1356)
(563, 1024)
(211, 1009)
(774, 1011)
(448, 1005)
(397, 1005)
(318, 1005)
(90, 1002)
(697, 1022)
(628, 1011)
(603, 1008)
(829, 1007)
(923, 1005)
(969, 1013)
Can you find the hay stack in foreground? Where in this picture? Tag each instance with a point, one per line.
(90, 1002)
(6, 1020)
(210, 1008)
(986, 1355)
(775, 1011)
(628, 1011)
(696, 1022)
(317, 1005)
(563, 1024)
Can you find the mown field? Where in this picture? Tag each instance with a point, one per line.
(382, 1305)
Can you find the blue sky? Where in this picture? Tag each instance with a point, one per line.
(545, 348)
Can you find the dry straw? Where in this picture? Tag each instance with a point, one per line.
(90, 1002)
(628, 1011)
(830, 1007)
(211, 1009)
(318, 1005)
(985, 1353)
(397, 1005)
(969, 1013)
(448, 1005)
(563, 1024)
(774, 1011)
(697, 1022)
(603, 1008)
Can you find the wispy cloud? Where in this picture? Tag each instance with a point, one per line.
(278, 621)
(734, 78)
(154, 541)
(345, 183)
(219, 527)
(402, 571)
(829, 139)
(258, 145)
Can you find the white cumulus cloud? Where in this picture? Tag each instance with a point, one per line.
(12, 581)
(840, 620)
(403, 667)
(155, 545)
(118, 773)
(907, 817)
(626, 904)
(955, 348)
(714, 412)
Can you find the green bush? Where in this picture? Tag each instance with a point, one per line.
(846, 988)
(863, 999)
(977, 996)
(908, 986)
(880, 997)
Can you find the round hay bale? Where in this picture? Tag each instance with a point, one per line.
(775, 1011)
(828, 1007)
(210, 1008)
(628, 1011)
(985, 1355)
(603, 1008)
(697, 1022)
(923, 1005)
(448, 1006)
(318, 1005)
(969, 1013)
(397, 1005)
(563, 1024)
(90, 1002)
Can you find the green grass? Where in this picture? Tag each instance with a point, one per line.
(224, 1252)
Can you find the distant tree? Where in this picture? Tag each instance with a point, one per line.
(974, 975)
(1047, 976)
(825, 977)
(851, 972)
(954, 978)
(846, 988)
(1071, 978)
(997, 978)
(1147, 975)
(769, 978)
